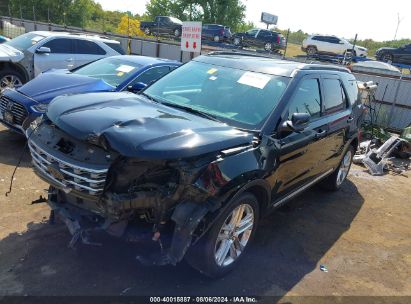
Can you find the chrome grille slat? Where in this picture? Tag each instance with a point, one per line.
(84, 181)
(19, 111)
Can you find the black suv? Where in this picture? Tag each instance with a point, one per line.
(395, 55)
(268, 40)
(195, 160)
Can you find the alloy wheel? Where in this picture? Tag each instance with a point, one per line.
(147, 31)
(387, 58)
(237, 41)
(234, 235)
(268, 46)
(10, 81)
(216, 39)
(344, 168)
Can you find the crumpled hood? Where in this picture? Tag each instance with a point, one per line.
(8, 53)
(54, 83)
(137, 127)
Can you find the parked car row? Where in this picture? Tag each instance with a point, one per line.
(268, 40)
(189, 156)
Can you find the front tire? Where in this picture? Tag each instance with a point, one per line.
(237, 41)
(221, 248)
(311, 50)
(387, 57)
(334, 181)
(147, 31)
(176, 33)
(10, 79)
(216, 38)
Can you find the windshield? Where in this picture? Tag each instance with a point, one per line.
(114, 71)
(25, 41)
(240, 98)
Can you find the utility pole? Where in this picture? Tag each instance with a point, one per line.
(398, 25)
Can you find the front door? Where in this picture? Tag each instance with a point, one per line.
(301, 154)
(60, 57)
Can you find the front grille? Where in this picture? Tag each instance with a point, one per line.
(66, 175)
(19, 111)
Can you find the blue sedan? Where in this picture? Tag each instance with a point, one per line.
(20, 106)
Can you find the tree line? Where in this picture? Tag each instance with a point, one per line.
(89, 14)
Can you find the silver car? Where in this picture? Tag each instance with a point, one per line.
(26, 56)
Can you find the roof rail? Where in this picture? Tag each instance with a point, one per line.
(239, 53)
(325, 67)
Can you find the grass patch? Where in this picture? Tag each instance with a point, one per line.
(294, 50)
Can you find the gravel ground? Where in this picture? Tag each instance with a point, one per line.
(361, 234)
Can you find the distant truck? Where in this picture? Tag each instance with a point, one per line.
(162, 26)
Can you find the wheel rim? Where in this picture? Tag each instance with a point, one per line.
(234, 235)
(236, 41)
(386, 58)
(147, 31)
(344, 168)
(216, 38)
(177, 33)
(311, 51)
(267, 46)
(10, 81)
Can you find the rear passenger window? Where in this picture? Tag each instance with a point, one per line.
(334, 96)
(307, 99)
(60, 46)
(88, 47)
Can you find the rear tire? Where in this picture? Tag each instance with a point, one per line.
(216, 38)
(223, 246)
(176, 33)
(268, 46)
(334, 181)
(147, 31)
(10, 78)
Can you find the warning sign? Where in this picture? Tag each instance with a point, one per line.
(191, 36)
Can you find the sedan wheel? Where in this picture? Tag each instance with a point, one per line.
(311, 50)
(176, 33)
(216, 38)
(237, 41)
(147, 31)
(234, 235)
(10, 81)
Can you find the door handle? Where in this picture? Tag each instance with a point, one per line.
(320, 134)
(350, 119)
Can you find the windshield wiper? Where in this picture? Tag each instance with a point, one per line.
(149, 97)
(191, 110)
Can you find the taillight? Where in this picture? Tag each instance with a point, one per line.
(278, 39)
(222, 32)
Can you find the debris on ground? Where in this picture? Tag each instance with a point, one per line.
(323, 268)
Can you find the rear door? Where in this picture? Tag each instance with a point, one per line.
(337, 114)
(60, 57)
(86, 51)
(249, 37)
(301, 153)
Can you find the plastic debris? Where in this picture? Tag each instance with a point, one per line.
(323, 268)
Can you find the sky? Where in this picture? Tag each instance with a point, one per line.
(375, 19)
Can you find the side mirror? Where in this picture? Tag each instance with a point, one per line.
(43, 50)
(298, 122)
(137, 87)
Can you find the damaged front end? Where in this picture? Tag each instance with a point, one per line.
(94, 188)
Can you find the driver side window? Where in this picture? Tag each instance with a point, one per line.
(306, 99)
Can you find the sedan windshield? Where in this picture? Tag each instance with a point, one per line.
(114, 71)
(25, 41)
(240, 98)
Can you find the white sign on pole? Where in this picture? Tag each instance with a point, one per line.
(191, 36)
